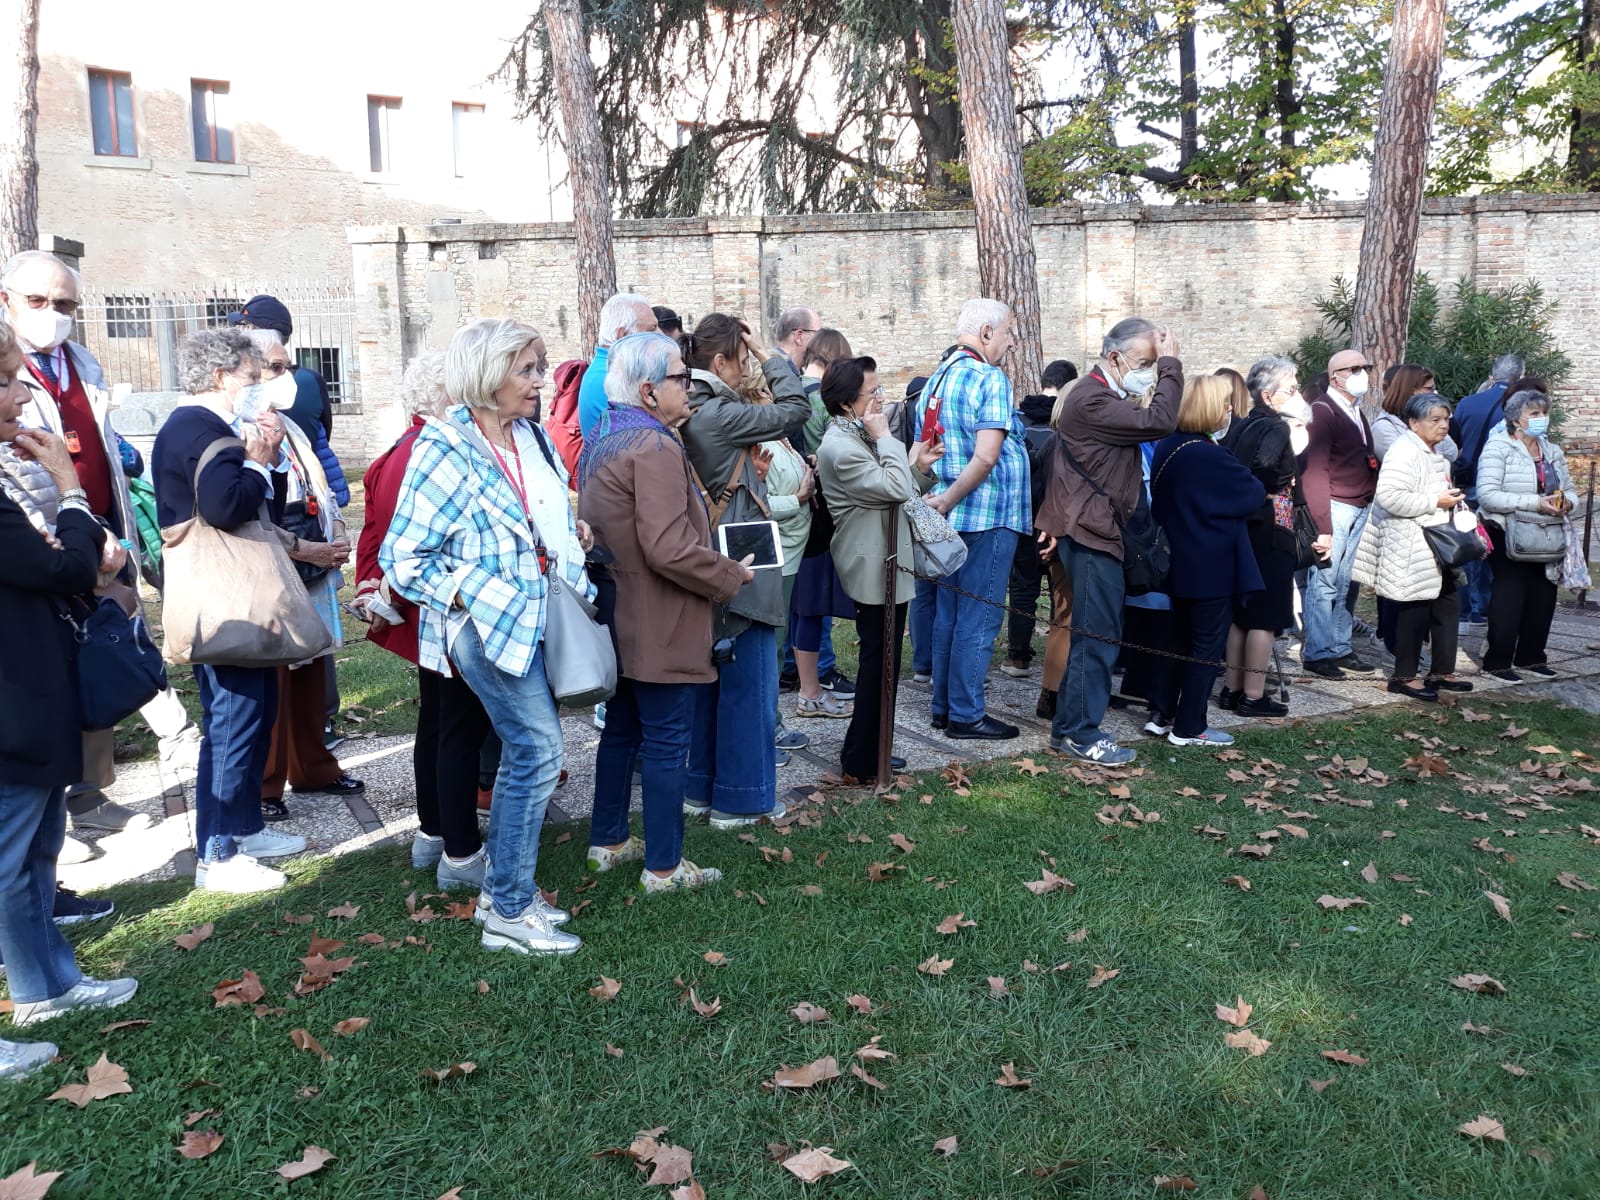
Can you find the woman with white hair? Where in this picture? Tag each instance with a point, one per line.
(298, 756)
(451, 722)
(478, 525)
(638, 493)
(214, 458)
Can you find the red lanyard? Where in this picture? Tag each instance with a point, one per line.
(517, 483)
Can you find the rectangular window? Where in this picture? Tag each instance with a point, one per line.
(381, 120)
(466, 124)
(127, 316)
(111, 113)
(218, 308)
(213, 128)
(327, 361)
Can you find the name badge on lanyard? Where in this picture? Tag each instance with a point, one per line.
(70, 436)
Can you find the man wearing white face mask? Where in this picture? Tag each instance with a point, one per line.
(1340, 477)
(67, 396)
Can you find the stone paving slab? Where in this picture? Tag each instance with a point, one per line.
(387, 810)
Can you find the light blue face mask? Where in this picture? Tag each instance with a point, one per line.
(1539, 426)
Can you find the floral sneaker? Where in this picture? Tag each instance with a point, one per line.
(684, 877)
(600, 859)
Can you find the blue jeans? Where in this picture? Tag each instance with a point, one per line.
(1095, 579)
(523, 713)
(730, 751)
(960, 661)
(921, 625)
(239, 706)
(1480, 586)
(33, 825)
(1330, 604)
(653, 720)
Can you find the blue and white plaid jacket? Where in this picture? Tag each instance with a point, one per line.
(459, 529)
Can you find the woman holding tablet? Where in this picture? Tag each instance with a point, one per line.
(867, 475)
(732, 772)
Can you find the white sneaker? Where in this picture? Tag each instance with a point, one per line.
(24, 1058)
(696, 809)
(531, 933)
(453, 873)
(600, 859)
(684, 876)
(269, 843)
(921, 677)
(599, 717)
(1208, 737)
(426, 851)
(240, 875)
(556, 916)
(181, 751)
(87, 993)
(1158, 726)
(725, 820)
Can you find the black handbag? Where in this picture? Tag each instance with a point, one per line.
(1146, 557)
(119, 668)
(1305, 538)
(1453, 546)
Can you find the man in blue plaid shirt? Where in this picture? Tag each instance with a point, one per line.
(984, 493)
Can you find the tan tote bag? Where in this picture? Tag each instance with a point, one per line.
(233, 597)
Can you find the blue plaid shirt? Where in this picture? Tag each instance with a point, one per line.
(459, 529)
(977, 396)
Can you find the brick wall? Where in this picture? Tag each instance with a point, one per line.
(1236, 281)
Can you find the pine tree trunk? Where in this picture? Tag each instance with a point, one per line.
(586, 164)
(19, 165)
(1399, 169)
(1583, 150)
(1007, 266)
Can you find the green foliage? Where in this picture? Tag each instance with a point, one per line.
(1458, 345)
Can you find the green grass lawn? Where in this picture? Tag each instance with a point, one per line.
(1130, 1080)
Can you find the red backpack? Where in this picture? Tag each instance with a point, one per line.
(561, 422)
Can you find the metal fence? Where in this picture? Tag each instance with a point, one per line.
(135, 332)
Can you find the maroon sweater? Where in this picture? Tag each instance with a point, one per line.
(1339, 463)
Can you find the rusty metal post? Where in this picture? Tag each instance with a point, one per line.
(1588, 528)
(886, 680)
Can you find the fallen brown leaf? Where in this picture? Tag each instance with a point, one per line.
(1486, 985)
(455, 1071)
(879, 871)
(105, 1078)
(1008, 1077)
(902, 843)
(27, 1184)
(808, 1013)
(1485, 1128)
(813, 1073)
(1513, 1069)
(1501, 904)
(1239, 1015)
(868, 1079)
(304, 1041)
(872, 1052)
(953, 923)
(322, 946)
(139, 1023)
(706, 1008)
(312, 1158)
(1317, 1085)
(1030, 768)
(197, 1143)
(296, 919)
(1256, 849)
(1174, 1183)
(351, 1025)
(947, 1146)
(1076, 936)
(344, 910)
(1238, 881)
(188, 941)
(1404, 919)
(483, 987)
(1101, 975)
(689, 1191)
(862, 1004)
(606, 990)
(199, 1115)
(1049, 882)
(936, 965)
(715, 958)
(1512, 731)
(613, 1051)
(816, 1163)
(1345, 1057)
(1572, 883)
(1244, 1039)
(1370, 873)
(238, 991)
(1340, 903)
(1426, 764)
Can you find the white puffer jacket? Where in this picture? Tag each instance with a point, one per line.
(1393, 555)
(30, 485)
(1507, 481)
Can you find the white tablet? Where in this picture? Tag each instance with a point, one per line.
(743, 539)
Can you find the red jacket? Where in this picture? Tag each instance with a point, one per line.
(382, 488)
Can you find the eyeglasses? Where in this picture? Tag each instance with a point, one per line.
(1357, 367)
(63, 306)
(274, 368)
(875, 394)
(683, 377)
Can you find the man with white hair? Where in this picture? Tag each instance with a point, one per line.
(795, 329)
(67, 395)
(984, 492)
(623, 314)
(1096, 483)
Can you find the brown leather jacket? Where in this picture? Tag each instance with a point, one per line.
(643, 507)
(1103, 429)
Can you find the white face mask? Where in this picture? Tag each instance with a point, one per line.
(1296, 409)
(42, 328)
(1227, 423)
(280, 393)
(249, 402)
(1356, 385)
(1137, 383)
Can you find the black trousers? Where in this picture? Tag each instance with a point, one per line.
(1027, 580)
(451, 725)
(1522, 603)
(1433, 621)
(860, 754)
(1147, 676)
(1200, 630)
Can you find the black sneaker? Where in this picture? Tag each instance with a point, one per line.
(1541, 670)
(332, 739)
(73, 909)
(1326, 668)
(839, 685)
(1228, 699)
(1508, 676)
(1045, 709)
(988, 730)
(1355, 665)
(1266, 706)
(788, 683)
(345, 785)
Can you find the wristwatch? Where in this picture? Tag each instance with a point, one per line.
(294, 547)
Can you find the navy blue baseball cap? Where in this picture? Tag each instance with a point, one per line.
(264, 312)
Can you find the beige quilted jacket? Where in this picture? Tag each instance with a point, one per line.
(1393, 556)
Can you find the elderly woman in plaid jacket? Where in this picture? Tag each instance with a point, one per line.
(481, 519)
